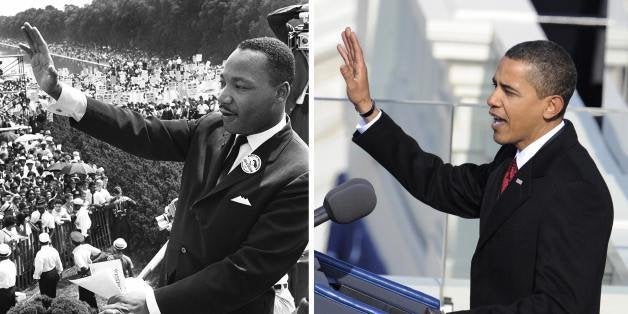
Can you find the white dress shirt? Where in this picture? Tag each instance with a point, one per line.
(61, 216)
(35, 216)
(8, 272)
(256, 140)
(83, 255)
(83, 222)
(47, 259)
(523, 156)
(47, 220)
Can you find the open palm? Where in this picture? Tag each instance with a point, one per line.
(41, 61)
(354, 71)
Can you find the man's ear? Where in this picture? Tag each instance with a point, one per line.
(283, 91)
(554, 107)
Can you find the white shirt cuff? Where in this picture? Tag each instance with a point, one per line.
(363, 125)
(72, 103)
(151, 302)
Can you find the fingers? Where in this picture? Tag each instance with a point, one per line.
(355, 44)
(114, 299)
(343, 54)
(347, 74)
(28, 51)
(39, 40)
(27, 28)
(114, 308)
(347, 43)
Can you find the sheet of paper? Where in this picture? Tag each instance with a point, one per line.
(106, 280)
(101, 283)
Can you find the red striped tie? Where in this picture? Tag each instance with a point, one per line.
(510, 173)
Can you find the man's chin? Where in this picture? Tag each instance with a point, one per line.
(499, 139)
(231, 126)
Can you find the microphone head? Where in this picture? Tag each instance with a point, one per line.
(350, 201)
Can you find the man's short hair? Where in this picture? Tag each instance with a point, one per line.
(280, 59)
(554, 72)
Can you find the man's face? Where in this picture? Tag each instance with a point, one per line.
(249, 102)
(516, 108)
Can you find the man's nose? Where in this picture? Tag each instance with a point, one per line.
(493, 100)
(224, 97)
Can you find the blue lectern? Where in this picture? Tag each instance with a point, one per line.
(340, 287)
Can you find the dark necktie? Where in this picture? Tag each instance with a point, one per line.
(510, 173)
(233, 154)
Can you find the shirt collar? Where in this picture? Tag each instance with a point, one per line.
(527, 153)
(256, 140)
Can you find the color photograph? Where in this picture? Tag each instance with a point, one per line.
(470, 156)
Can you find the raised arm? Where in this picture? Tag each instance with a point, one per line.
(355, 74)
(145, 137)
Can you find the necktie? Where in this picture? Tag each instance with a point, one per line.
(233, 154)
(509, 174)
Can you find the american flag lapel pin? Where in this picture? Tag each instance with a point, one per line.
(519, 181)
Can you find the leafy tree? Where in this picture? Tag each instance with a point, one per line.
(164, 27)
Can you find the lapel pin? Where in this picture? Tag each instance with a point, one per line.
(251, 164)
(519, 181)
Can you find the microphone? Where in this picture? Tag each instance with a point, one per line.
(347, 202)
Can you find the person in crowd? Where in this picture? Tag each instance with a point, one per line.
(100, 196)
(68, 205)
(117, 252)
(284, 301)
(83, 222)
(47, 218)
(23, 225)
(8, 276)
(8, 235)
(119, 205)
(59, 212)
(48, 266)
(38, 213)
(83, 254)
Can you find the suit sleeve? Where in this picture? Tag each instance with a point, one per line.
(573, 240)
(149, 137)
(454, 190)
(274, 244)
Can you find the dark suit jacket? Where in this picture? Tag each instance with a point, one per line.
(542, 245)
(223, 256)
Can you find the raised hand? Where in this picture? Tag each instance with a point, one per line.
(354, 72)
(41, 61)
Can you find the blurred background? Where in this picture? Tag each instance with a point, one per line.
(430, 67)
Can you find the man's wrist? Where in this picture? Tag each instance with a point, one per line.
(363, 106)
(368, 112)
(55, 92)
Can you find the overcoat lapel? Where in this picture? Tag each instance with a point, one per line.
(267, 153)
(506, 204)
(496, 210)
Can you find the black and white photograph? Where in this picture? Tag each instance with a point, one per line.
(154, 156)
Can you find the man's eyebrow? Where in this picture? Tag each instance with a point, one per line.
(506, 87)
(241, 79)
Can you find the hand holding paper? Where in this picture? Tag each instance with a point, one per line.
(107, 279)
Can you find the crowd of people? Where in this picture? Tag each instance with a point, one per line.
(15, 107)
(38, 198)
(168, 88)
